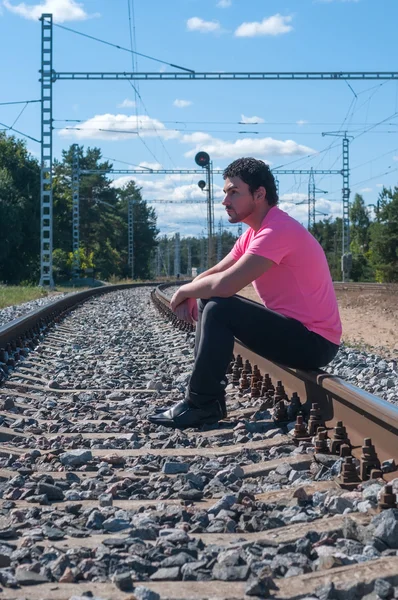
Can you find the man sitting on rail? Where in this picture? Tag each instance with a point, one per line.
(298, 322)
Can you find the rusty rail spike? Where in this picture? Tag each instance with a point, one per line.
(369, 460)
(315, 420)
(300, 430)
(349, 478)
(321, 441)
(387, 498)
(339, 438)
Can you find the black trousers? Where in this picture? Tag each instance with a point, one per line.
(265, 332)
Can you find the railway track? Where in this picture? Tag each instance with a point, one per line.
(97, 502)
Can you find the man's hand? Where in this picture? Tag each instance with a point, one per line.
(187, 310)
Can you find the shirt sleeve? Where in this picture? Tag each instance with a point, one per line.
(270, 244)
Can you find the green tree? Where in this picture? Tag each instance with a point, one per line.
(103, 217)
(384, 237)
(19, 212)
(359, 240)
(144, 230)
(329, 235)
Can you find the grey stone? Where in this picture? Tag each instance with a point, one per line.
(236, 573)
(336, 505)
(5, 560)
(190, 494)
(169, 574)
(383, 589)
(52, 492)
(25, 577)
(371, 492)
(105, 500)
(177, 560)
(258, 587)
(74, 458)
(225, 503)
(144, 593)
(172, 468)
(385, 527)
(123, 581)
(114, 524)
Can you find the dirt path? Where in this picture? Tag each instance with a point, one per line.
(370, 320)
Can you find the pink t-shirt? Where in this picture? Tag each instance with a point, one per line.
(299, 285)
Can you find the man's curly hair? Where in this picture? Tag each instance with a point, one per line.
(255, 173)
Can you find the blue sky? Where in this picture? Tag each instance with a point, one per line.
(279, 122)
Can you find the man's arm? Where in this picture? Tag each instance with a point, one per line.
(224, 283)
(224, 264)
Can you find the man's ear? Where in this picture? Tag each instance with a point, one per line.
(260, 193)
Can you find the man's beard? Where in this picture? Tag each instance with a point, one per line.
(235, 217)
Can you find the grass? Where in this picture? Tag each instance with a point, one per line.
(18, 294)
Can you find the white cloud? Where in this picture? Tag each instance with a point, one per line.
(301, 122)
(379, 185)
(62, 10)
(126, 104)
(365, 190)
(149, 165)
(198, 137)
(182, 103)
(198, 24)
(275, 25)
(224, 3)
(395, 157)
(260, 147)
(119, 127)
(244, 119)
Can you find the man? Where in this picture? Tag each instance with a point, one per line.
(298, 324)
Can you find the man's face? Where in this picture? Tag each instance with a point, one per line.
(238, 201)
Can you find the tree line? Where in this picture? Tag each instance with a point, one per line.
(104, 226)
(373, 239)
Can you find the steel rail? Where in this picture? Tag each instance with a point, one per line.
(363, 414)
(23, 326)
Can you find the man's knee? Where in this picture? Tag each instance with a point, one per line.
(217, 305)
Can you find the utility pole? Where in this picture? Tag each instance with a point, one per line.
(177, 255)
(202, 254)
(168, 257)
(158, 264)
(202, 159)
(312, 191)
(311, 202)
(277, 185)
(189, 261)
(346, 258)
(130, 228)
(46, 166)
(75, 213)
(219, 241)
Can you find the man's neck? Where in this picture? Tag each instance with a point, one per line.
(255, 220)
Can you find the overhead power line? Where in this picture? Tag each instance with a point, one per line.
(19, 102)
(91, 37)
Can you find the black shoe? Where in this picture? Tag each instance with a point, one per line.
(186, 414)
(221, 401)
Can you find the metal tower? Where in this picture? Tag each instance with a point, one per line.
(177, 254)
(158, 263)
(276, 184)
(311, 201)
(189, 261)
(219, 241)
(168, 257)
(75, 212)
(46, 176)
(130, 227)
